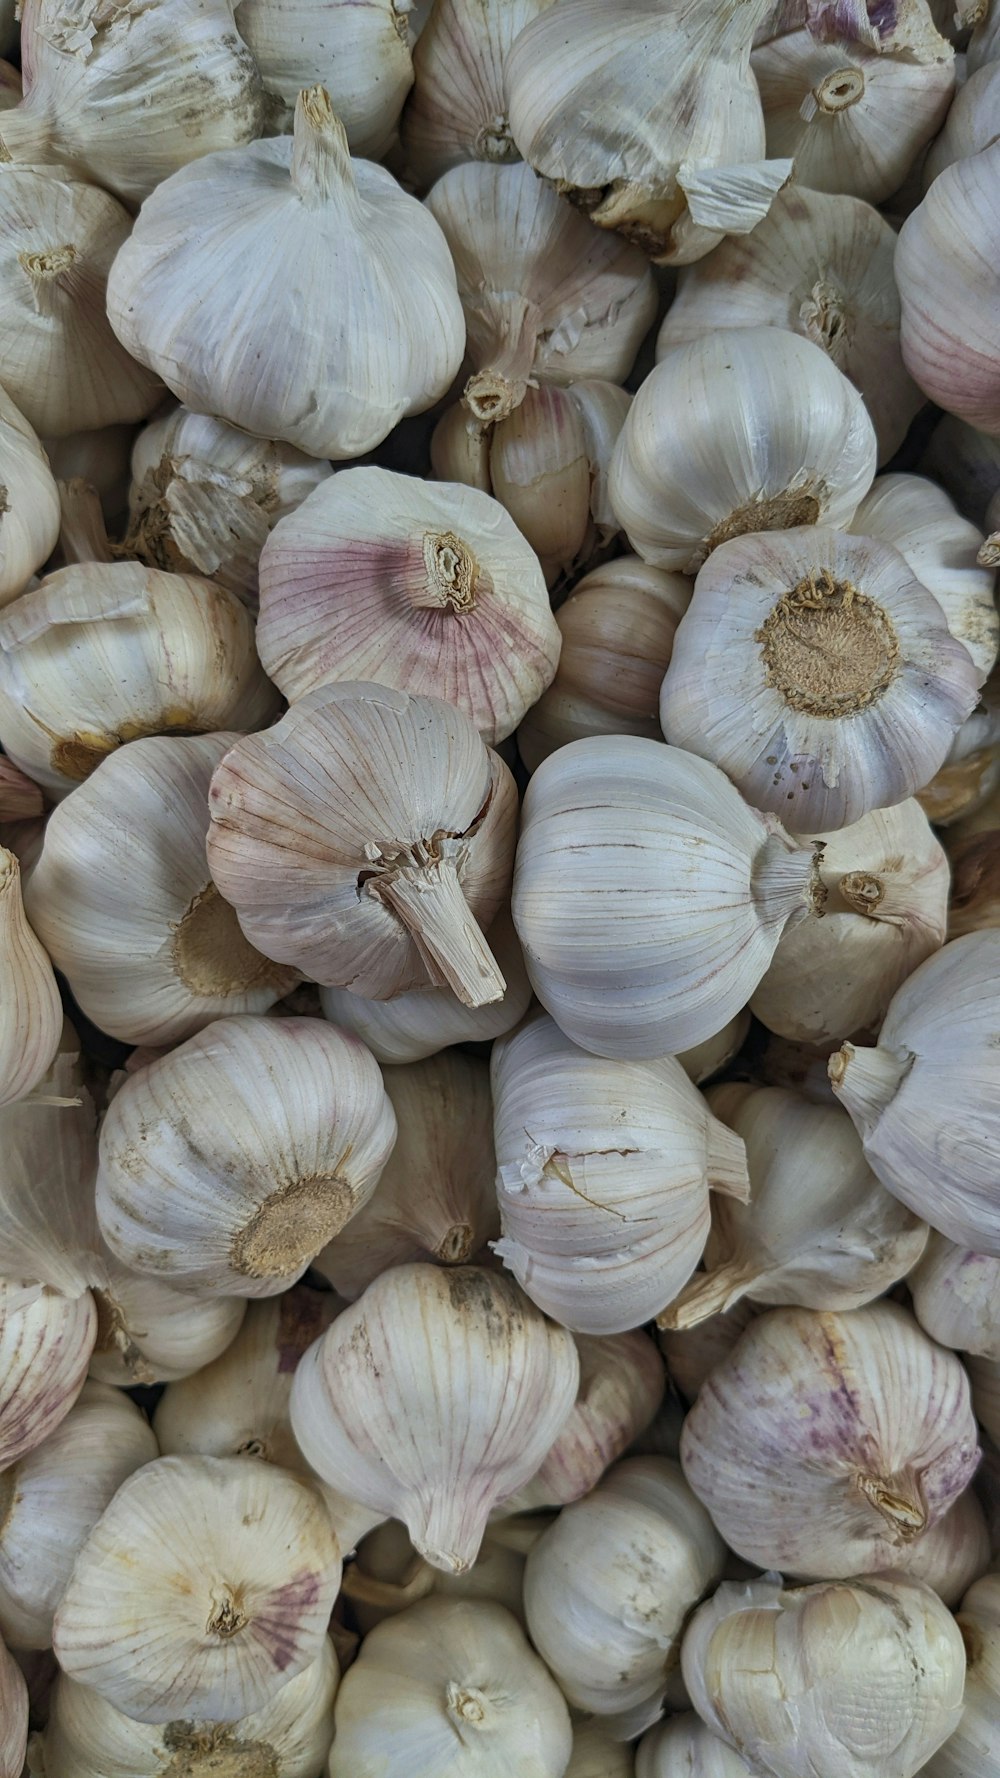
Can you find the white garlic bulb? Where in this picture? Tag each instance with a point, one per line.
(123, 901)
(973, 121)
(825, 1444)
(45, 1345)
(148, 1332)
(707, 1059)
(925, 1099)
(29, 520)
(366, 839)
(434, 1396)
(692, 1353)
(48, 1228)
(827, 1681)
(971, 1750)
(744, 429)
(336, 361)
(685, 1744)
(648, 896)
(956, 1297)
(608, 1586)
(954, 1553)
(204, 1587)
(13, 1716)
(31, 1016)
(603, 1177)
(361, 54)
(470, 1698)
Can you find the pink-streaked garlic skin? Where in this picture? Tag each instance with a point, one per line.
(45, 1346)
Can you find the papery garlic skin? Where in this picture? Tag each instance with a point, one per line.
(954, 1553)
(13, 1716)
(956, 1297)
(148, 1332)
(435, 1395)
(204, 1588)
(825, 1444)
(31, 1016)
(334, 369)
(45, 1345)
(972, 124)
(744, 429)
(360, 53)
(970, 1752)
(29, 521)
(685, 1744)
(693, 1353)
(48, 1228)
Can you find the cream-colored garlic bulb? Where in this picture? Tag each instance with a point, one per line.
(204, 1588)
(744, 429)
(432, 1398)
(45, 1345)
(31, 1016)
(100, 459)
(617, 633)
(818, 673)
(226, 1165)
(388, 1574)
(123, 901)
(366, 839)
(603, 1177)
(29, 516)
(607, 1587)
(819, 1231)
(13, 1716)
(926, 1099)
(692, 1353)
(885, 908)
(328, 364)
(973, 122)
(827, 1681)
(971, 1750)
(289, 1737)
(360, 53)
(423, 586)
(204, 497)
(648, 896)
(956, 1297)
(20, 796)
(954, 1553)
(124, 96)
(819, 265)
(48, 1229)
(685, 1745)
(826, 1444)
(435, 1197)
(148, 1332)
(470, 1699)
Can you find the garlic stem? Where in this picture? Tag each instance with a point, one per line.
(321, 158)
(46, 273)
(707, 1293)
(786, 880)
(426, 895)
(448, 1528)
(840, 90)
(866, 1079)
(455, 580)
(898, 1501)
(493, 392)
(83, 535)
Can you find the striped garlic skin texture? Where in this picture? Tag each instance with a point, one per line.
(45, 1345)
(20, 797)
(13, 1716)
(826, 1444)
(148, 1332)
(685, 1745)
(360, 53)
(48, 1226)
(956, 1297)
(973, 121)
(204, 1588)
(31, 1015)
(29, 522)
(955, 1552)
(971, 1751)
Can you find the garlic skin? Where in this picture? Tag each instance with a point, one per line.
(434, 1198)
(603, 1178)
(433, 1397)
(971, 771)
(31, 1015)
(324, 378)
(924, 1100)
(885, 909)
(123, 901)
(693, 1353)
(48, 1229)
(470, 1699)
(685, 1744)
(45, 1345)
(13, 1716)
(954, 1553)
(741, 430)
(205, 1587)
(970, 1751)
(361, 54)
(29, 521)
(707, 1059)
(827, 1681)
(148, 1332)
(984, 1375)
(972, 123)
(428, 588)
(367, 839)
(20, 796)
(691, 907)
(984, 44)
(819, 265)
(226, 1165)
(608, 1586)
(956, 1297)
(826, 1444)
(971, 845)
(110, 94)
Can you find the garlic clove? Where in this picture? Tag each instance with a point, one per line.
(45, 1345)
(31, 1015)
(48, 1228)
(148, 1332)
(20, 796)
(361, 54)
(685, 1744)
(29, 518)
(13, 1716)
(956, 1297)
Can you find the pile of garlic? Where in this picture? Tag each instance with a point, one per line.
(499, 889)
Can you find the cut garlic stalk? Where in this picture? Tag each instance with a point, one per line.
(31, 1015)
(45, 1346)
(360, 53)
(956, 1297)
(29, 502)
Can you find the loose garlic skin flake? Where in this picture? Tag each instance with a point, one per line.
(31, 1016)
(29, 502)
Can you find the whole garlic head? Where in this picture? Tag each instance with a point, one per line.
(360, 53)
(685, 1744)
(970, 1751)
(29, 502)
(956, 1297)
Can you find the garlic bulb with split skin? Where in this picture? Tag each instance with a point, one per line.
(13, 1716)
(432, 1398)
(744, 429)
(148, 1332)
(336, 362)
(123, 901)
(29, 502)
(603, 1177)
(31, 1016)
(684, 1744)
(956, 1297)
(826, 1444)
(360, 53)
(971, 1750)
(45, 1346)
(692, 1353)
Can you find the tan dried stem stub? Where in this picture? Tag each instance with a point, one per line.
(455, 579)
(828, 649)
(840, 90)
(776, 512)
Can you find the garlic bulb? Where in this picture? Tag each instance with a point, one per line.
(45, 1345)
(123, 901)
(148, 1332)
(603, 1176)
(984, 1375)
(971, 771)
(597, 1755)
(20, 797)
(336, 361)
(973, 122)
(29, 502)
(99, 654)
(648, 897)
(366, 839)
(435, 1197)
(361, 54)
(608, 1586)
(818, 265)
(744, 429)
(925, 1099)
(31, 1016)
(13, 1716)
(226, 1165)
(428, 588)
(825, 1444)
(827, 1681)
(204, 497)
(819, 673)
(885, 908)
(389, 1575)
(693, 1353)
(204, 1588)
(954, 1553)
(685, 1744)
(48, 1229)
(971, 1750)
(432, 1398)
(289, 1737)
(707, 1059)
(617, 633)
(470, 1699)
(956, 1297)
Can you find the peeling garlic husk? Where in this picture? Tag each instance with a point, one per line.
(826, 1444)
(603, 1177)
(361, 54)
(29, 519)
(971, 1750)
(684, 1744)
(954, 1553)
(13, 1716)
(123, 901)
(822, 1681)
(148, 1332)
(434, 1396)
(692, 1353)
(744, 429)
(972, 124)
(31, 1015)
(45, 1346)
(956, 1297)
(389, 1576)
